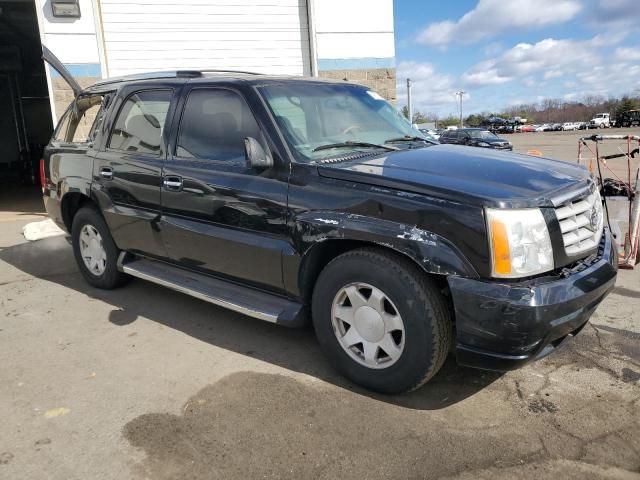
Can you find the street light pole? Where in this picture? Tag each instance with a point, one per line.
(409, 106)
(460, 94)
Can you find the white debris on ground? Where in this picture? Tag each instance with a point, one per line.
(39, 230)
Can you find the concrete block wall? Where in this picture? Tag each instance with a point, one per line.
(62, 93)
(381, 80)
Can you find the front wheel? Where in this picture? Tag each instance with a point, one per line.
(95, 251)
(381, 321)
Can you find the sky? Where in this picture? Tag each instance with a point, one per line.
(509, 52)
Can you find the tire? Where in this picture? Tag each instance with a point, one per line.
(106, 274)
(424, 312)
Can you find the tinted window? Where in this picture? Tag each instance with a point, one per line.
(214, 125)
(141, 121)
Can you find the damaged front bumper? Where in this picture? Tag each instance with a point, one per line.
(501, 326)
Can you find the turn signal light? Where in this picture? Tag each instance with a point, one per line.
(500, 244)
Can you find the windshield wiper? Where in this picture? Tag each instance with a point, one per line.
(349, 144)
(408, 138)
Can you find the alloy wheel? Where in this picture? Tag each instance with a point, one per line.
(367, 325)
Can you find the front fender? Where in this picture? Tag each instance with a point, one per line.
(432, 252)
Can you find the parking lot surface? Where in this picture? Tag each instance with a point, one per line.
(144, 382)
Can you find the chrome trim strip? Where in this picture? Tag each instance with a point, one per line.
(567, 197)
(268, 317)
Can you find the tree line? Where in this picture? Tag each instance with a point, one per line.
(548, 110)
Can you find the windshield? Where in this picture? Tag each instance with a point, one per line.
(314, 114)
(482, 134)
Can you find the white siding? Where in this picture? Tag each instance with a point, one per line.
(354, 29)
(257, 35)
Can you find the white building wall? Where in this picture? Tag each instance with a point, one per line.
(75, 43)
(354, 33)
(348, 39)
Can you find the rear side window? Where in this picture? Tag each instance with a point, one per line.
(78, 123)
(214, 125)
(141, 121)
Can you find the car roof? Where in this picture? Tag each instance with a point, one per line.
(206, 77)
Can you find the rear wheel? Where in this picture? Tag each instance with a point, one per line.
(381, 321)
(95, 251)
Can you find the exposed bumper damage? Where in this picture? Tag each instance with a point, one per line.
(501, 326)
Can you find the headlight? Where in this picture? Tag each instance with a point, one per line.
(520, 243)
(482, 144)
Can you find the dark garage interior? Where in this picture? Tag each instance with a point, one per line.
(25, 111)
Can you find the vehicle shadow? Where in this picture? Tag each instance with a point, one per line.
(52, 259)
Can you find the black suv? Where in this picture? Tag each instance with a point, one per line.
(475, 137)
(289, 198)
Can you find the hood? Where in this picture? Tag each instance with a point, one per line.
(497, 140)
(466, 174)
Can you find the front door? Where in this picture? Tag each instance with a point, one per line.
(219, 215)
(127, 169)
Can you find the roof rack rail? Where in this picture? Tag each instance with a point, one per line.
(244, 72)
(168, 74)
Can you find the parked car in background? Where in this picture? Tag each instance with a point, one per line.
(430, 134)
(583, 125)
(543, 128)
(600, 120)
(570, 126)
(527, 128)
(475, 137)
(556, 127)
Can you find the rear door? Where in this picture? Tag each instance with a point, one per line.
(68, 157)
(127, 169)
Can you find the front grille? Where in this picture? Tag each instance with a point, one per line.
(581, 223)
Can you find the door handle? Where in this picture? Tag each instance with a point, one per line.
(106, 173)
(172, 183)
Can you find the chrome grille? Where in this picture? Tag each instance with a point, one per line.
(581, 223)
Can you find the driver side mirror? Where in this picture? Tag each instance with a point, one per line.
(255, 154)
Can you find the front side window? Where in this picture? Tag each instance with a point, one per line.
(214, 125)
(141, 121)
(311, 115)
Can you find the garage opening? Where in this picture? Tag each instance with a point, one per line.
(25, 111)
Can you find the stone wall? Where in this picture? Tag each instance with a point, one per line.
(381, 80)
(62, 93)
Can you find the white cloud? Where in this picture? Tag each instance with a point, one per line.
(615, 13)
(430, 91)
(492, 17)
(628, 54)
(551, 58)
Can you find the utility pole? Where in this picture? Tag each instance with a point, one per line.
(460, 94)
(409, 106)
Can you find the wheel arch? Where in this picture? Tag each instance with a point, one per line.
(333, 234)
(70, 204)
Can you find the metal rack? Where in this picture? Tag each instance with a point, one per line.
(628, 243)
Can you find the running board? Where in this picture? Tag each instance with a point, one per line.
(247, 301)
